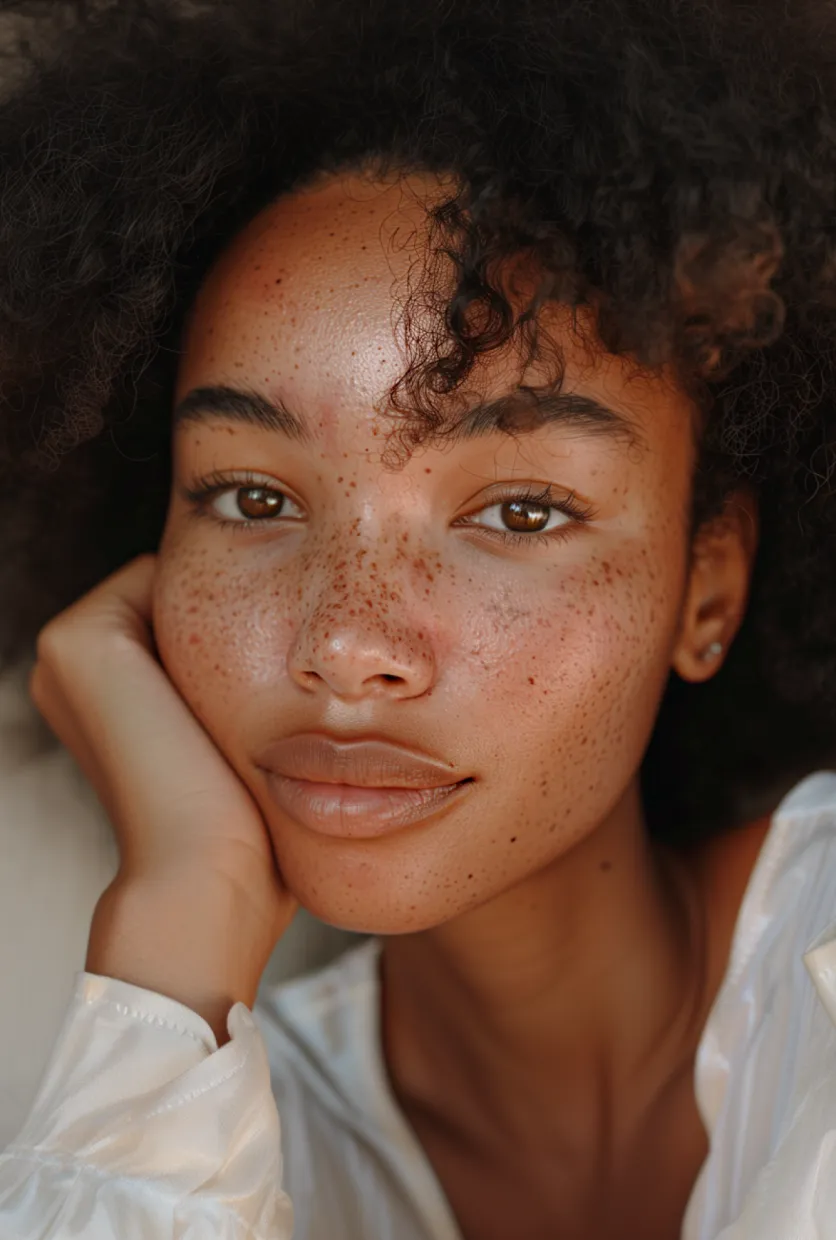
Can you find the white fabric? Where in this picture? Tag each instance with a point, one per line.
(57, 855)
(143, 1130)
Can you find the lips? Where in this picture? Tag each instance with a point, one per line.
(356, 789)
(362, 763)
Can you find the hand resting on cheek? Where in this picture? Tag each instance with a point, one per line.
(196, 864)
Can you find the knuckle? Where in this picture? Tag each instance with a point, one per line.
(50, 642)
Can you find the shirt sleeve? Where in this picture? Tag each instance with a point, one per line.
(142, 1129)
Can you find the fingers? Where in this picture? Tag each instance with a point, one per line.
(132, 584)
(77, 682)
(123, 601)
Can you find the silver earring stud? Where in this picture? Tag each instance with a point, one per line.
(713, 650)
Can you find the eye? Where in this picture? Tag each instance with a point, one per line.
(517, 517)
(253, 503)
(522, 516)
(243, 501)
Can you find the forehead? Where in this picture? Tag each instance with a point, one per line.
(306, 299)
(308, 306)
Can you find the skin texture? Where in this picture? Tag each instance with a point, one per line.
(550, 972)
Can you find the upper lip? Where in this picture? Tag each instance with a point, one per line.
(362, 763)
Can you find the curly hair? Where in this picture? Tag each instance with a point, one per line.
(673, 163)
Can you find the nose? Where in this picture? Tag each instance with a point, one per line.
(354, 652)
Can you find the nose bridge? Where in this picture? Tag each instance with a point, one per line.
(362, 623)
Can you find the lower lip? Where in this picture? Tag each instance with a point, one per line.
(351, 813)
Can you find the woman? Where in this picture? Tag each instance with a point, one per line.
(483, 606)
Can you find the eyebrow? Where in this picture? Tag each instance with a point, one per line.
(209, 404)
(527, 410)
(519, 413)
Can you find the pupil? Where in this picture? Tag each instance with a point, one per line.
(525, 517)
(255, 503)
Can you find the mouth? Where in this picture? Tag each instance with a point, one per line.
(359, 789)
(353, 813)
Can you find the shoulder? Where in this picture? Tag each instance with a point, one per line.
(770, 1027)
(791, 892)
(775, 876)
(766, 1064)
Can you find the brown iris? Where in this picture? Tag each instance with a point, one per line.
(525, 516)
(256, 503)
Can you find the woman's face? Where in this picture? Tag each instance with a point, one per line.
(507, 604)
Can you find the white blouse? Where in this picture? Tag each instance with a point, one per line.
(143, 1130)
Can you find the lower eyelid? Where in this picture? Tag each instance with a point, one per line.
(516, 538)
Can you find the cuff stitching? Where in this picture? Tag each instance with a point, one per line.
(147, 1018)
(182, 1099)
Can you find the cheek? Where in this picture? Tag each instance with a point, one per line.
(221, 633)
(571, 677)
(604, 615)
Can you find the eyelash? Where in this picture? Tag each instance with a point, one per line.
(214, 484)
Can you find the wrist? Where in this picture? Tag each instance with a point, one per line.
(195, 940)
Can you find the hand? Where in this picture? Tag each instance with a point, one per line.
(197, 905)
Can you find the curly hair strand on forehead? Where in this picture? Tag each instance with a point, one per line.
(673, 165)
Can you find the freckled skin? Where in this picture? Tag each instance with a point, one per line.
(536, 669)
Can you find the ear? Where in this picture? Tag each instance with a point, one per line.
(722, 557)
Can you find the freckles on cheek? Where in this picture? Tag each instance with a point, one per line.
(623, 618)
(572, 702)
(220, 631)
(601, 625)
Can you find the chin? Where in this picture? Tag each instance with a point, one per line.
(367, 890)
(374, 913)
(388, 923)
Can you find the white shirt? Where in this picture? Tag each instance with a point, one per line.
(143, 1130)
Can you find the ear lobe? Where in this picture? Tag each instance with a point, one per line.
(722, 558)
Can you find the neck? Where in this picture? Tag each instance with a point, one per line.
(582, 987)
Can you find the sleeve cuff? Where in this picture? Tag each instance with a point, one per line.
(136, 1088)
